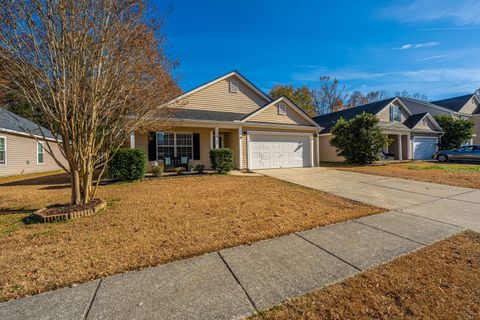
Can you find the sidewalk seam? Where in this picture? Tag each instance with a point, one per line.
(389, 232)
(239, 283)
(330, 253)
(93, 298)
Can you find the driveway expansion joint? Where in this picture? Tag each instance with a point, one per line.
(385, 231)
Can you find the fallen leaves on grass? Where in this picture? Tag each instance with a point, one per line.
(438, 282)
(149, 223)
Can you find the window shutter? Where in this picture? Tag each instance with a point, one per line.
(152, 146)
(196, 146)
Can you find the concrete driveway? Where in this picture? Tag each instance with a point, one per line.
(453, 205)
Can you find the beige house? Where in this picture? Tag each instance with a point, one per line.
(232, 112)
(414, 136)
(21, 153)
(466, 107)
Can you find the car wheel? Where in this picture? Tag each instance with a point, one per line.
(442, 158)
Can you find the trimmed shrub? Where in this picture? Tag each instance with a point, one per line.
(200, 168)
(128, 164)
(221, 160)
(456, 131)
(359, 139)
(158, 170)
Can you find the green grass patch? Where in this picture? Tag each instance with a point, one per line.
(462, 169)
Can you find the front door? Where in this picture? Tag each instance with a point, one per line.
(221, 139)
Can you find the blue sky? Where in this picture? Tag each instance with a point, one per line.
(425, 46)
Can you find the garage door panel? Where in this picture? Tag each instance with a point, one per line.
(424, 148)
(278, 151)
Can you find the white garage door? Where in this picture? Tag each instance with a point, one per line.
(424, 148)
(271, 151)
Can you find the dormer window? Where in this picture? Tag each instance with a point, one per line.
(233, 87)
(395, 114)
(282, 108)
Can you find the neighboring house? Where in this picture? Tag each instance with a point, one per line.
(467, 106)
(414, 135)
(232, 112)
(19, 152)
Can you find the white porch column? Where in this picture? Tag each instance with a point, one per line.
(312, 164)
(240, 148)
(132, 139)
(409, 144)
(318, 149)
(211, 140)
(248, 152)
(217, 140)
(399, 143)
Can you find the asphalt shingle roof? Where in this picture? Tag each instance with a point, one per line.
(327, 121)
(413, 120)
(455, 103)
(192, 114)
(14, 122)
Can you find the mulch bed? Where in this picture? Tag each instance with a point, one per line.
(441, 281)
(62, 212)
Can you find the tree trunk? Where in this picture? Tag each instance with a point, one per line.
(75, 187)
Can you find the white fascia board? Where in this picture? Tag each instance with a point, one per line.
(29, 135)
(429, 104)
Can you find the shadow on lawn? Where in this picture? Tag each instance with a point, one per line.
(54, 179)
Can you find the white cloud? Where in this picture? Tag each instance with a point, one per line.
(405, 46)
(427, 44)
(435, 82)
(418, 45)
(432, 58)
(460, 12)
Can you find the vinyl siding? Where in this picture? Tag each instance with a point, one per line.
(469, 107)
(327, 152)
(476, 120)
(22, 156)
(217, 97)
(271, 115)
(384, 114)
(428, 126)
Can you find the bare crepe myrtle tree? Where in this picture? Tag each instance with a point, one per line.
(94, 68)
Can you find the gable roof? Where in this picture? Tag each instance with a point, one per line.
(327, 121)
(426, 104)
(287, 101)
(413, 120)
(12, 122)
(455, 103)
(225, 76)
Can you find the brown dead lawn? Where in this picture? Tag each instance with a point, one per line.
(454, 174)
(148, 223)
(438, 282)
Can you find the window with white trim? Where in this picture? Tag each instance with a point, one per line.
(40, 153)
(3, 150)
(395, 114)
(174, 144)
(282, 108)
(233, 86)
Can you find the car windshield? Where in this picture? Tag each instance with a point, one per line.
(465, 149)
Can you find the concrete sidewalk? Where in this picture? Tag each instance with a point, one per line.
(233, 283)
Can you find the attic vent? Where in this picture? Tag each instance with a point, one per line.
(233, 86)
(282, 108)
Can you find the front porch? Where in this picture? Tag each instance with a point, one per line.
(188, 146)
(399, 149)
